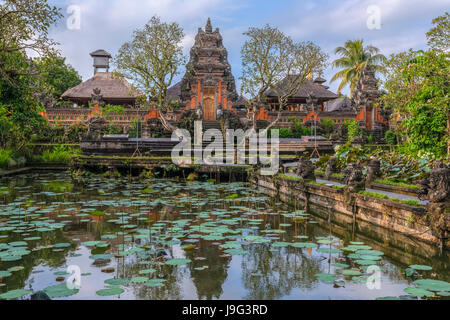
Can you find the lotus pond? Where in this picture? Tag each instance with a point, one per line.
(165, 239)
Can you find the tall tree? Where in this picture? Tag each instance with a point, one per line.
(55, 75)
(418, 85)
(354, 58)
(272, 60)
(152, 60)
(24, 26)
(439, 35)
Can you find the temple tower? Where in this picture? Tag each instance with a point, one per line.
(208, 84)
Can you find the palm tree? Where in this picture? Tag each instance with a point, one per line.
(354, 58)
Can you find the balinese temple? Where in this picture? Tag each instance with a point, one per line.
(208, 90)
(115, 91)
(111, 89)
(208, 84)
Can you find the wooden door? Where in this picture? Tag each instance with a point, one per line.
(209, 110)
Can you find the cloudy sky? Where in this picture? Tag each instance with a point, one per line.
(107, 24)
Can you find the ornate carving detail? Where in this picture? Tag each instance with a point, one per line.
(373, 170)
(97, 97)
(331, 167)
(305, 169)
(439, 183)
(354, 178)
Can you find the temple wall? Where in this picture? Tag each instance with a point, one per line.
(395, 217)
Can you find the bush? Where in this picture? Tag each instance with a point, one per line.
(390, 137)
(352, 129)
(60, 154)
(5, 158)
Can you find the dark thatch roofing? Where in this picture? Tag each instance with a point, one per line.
(308, 87)
(339, 104)
(111, 88)
(241, 101)
(174, 92)
(100, 53)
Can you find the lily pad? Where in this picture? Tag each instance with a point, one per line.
(178, 262)
(14, 294)
(110, 291)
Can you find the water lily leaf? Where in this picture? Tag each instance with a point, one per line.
(14, 294)
(178, 262)
(418, 292)
(351, 272)
(139, 279)
(110, 291)
(420, 267)
(60, 290)
(117, 282)
(433, 285)
(327, 278)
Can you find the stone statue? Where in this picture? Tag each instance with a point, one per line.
(331, 167)
(439, 183)
(373, 170)
(305, 169)
(97, 98)
(354, 178)
(97, 127)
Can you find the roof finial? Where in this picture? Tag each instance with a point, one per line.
(208, 27)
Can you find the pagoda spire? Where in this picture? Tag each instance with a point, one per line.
(208, 27)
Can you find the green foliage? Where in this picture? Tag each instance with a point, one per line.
(135, 129)
(60, 154)
(352, 129)
(390, 137)
(5, 158)
(327, 126)
(354, 58)
(397, 184)
(418, 94)
(55, 75)
(439, 36)
(153, 58)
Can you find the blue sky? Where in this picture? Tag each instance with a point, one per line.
(107, 24)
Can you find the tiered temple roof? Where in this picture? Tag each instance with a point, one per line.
(208, 81)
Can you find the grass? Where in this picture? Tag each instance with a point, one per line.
(397, 184)
(319, 172)
(59, 154)
(281, 175)
(338, 175)
(317, 183)
(410, 202)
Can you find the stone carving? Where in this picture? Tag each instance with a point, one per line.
(439, 183)
(97, 128)
(97, 98)
(338, 133)
(373, 170)
(311, 102)
(305, 169)
(331, 167)
(354, 178)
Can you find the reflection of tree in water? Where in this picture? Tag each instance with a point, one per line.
(280, 271)
(209, 281)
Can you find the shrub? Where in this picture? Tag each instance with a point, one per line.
(60, 154)
(390, 137)
(5, 158)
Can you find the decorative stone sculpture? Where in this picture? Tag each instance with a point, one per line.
(439, 183)
(97, 98)
(305, 169)
(97, 128)
(373, 170)
(331, 167)
(354, 179)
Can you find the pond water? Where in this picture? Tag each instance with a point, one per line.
(166, 239)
